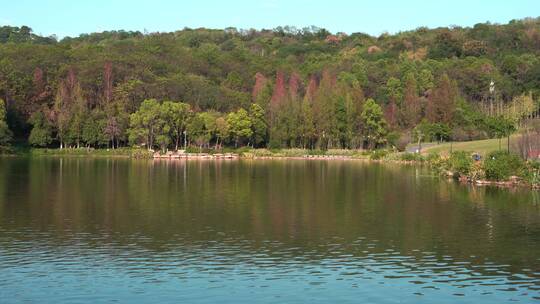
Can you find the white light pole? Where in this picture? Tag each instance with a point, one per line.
(491, 94)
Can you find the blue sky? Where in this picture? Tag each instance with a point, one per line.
(72, 17)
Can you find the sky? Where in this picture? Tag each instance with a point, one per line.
(73, 17)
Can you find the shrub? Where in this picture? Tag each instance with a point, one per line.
(294, 152)
(378, 154)
(342, 152)
(500, 165)
(316, 152)
(403, 141)
(477, 171)
(197, 149)
(392, 139)
(411, 157)
(460, 163)
(440, 164)
(531, 172)
(260, 152)
(432, 157)
(141, 153)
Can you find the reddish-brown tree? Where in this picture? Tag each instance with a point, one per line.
(295, 86)
(71, 80)
(390, 114)
(411, 104)
(328, 78)
(260, 83)
(39, 84)
(312, 88)
(441, 102)
(280, 90)
(41, 92)
(107, 81)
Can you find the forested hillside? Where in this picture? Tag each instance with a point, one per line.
(284, 87)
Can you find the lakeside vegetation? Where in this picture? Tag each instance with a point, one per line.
(282, 92)
(279, 88)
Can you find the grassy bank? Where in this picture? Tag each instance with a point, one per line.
(482, 147)
(84, 152)
(244, 152)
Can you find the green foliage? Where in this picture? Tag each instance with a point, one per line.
(425, 80)
(446, 45)
(411, 157)
(531, 172)
(426, 131)
(92, 130)
(499, 126)
(307, 124)
(91, 152)
(432, 157)
(459, 163)
(5, 133)
(176, 114)
(467, 122)
(41, 134)
(258, 124)
(400, 141)
(441, 75)
(239, 125)
(374, 125)
(394, 90)
(500, 165)
(148, 126)
(378, 154)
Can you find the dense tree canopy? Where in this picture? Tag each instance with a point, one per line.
(285, 87)
(5, 132)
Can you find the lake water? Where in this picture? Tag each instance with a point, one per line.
(279, 231)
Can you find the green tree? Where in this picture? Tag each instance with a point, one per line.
(426, 131)
(210, 127)
(41, 134)
(374, 125)
(117, 118)
(93, 129)
(258, 124)
(340, 127)
(146, 124)
(177, 115)
(425, 80)
(5, 133)
(394, 91)
(239, 126)
(467, 119)
(307, 127)
(196, 131)
(499, 127)
(222, 133)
